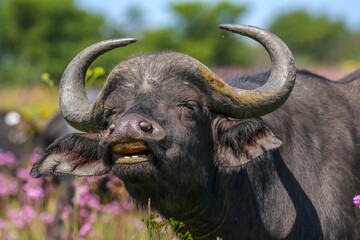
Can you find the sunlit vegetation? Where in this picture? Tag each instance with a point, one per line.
(72, 208)
(33, 41)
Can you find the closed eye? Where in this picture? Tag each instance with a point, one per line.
(188, 106)
(109, 114)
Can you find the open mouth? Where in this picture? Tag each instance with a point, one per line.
(131, 153)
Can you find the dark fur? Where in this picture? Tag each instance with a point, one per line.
(302, 190)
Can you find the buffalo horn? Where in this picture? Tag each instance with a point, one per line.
(74, 103)
(241, 103)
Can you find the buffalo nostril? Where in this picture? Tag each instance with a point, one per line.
(146, 126)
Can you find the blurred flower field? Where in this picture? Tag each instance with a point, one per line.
(43, 208)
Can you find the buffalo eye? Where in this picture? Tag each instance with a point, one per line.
(188, 106)
(109, 113)
(193, 110)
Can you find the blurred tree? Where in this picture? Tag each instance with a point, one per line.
(315, 38)
(38, 36)
(42, 36)
(199, 36)
(195, 33)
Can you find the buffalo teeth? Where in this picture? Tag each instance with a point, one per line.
(132, 159)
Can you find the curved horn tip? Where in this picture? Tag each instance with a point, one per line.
(121, 41)
(230, 27)
(238, 28)
(226, 26)
(127, 40)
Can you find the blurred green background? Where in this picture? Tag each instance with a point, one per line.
(42, 36)
(38, 36)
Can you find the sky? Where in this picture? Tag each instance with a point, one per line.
(259, 13)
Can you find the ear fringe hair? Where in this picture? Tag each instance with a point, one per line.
(266, 156)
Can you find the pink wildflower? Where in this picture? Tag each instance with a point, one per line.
(46, 218)
(22, 216)
(87, 199)
(112, 207)
(8, 186)
(94, 202)
(34, 192)
(7, 158)
(127, 206)
(4, 224)
(23, 174)
(28, 212)
(113, 182)
(138, 224)
(35, 154)
(86, 230)
(66, 212)
(84, 212)
(92, 218)
(357, 200)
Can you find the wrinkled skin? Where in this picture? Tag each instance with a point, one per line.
(289, 175)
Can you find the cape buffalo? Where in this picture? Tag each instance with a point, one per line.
(238, 158)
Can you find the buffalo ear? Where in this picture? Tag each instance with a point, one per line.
(74, 154)
(238, 142)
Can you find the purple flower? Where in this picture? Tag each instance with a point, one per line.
(87, 199)
(4, 224)
(94, 202)
(35, 154)
(113, 182)
(22, 216)
(84, 212)
(357, 200)
(16, 217)
(23, 174)
(92, 218)
(46, 218)
(86, 230)
(127, 206)
(66, 212)
(138, 224)
(34, 192)
(7, 158)
(28, 212)
(112, 207)
(8, 186)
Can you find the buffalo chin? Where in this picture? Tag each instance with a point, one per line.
(134, 172)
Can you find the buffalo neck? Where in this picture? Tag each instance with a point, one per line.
(210, 211)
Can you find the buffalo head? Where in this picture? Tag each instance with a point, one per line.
(165, 117)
